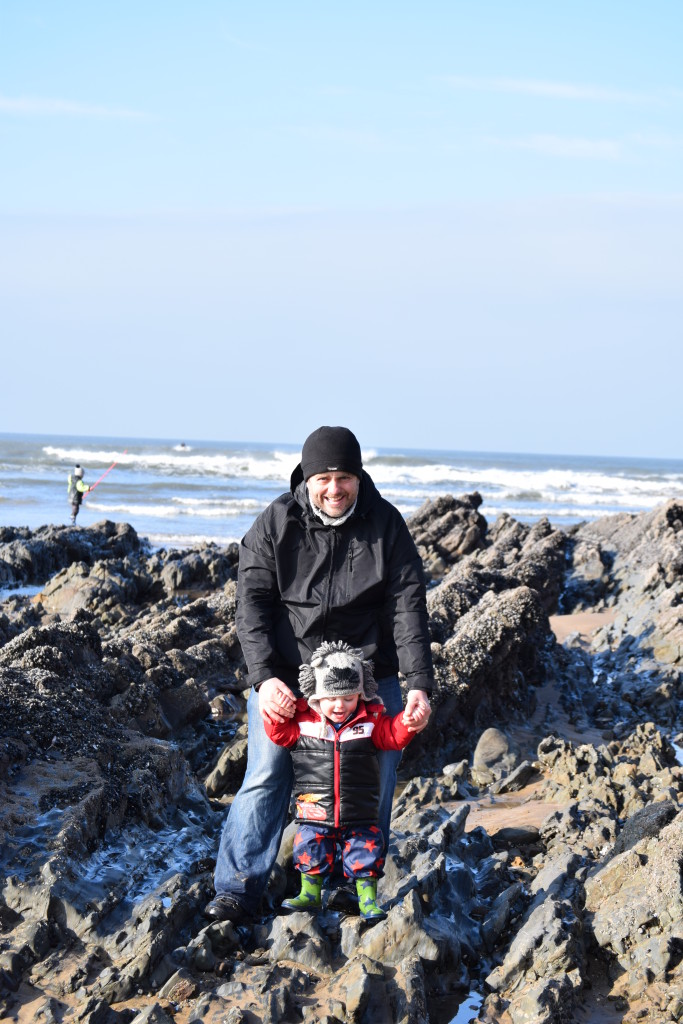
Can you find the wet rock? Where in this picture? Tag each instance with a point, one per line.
(207, 568)
(642, 648)
(588, 579)
(104, 587)
(516, 835)
(296, 937)
(446, 529)
(152, 1015)
(182, 705)
(98, 1011)
(361, 975)
(511, 900)
(644, 824)
(51, 1012)
(21, 616)
(33, 556)
(530, 556)
(515, 780)
(230, 766)
(485, 666)
(123, 689)
(236, 1016)
(547, 950)
(492, 758)
(401, 935)
(636, 907)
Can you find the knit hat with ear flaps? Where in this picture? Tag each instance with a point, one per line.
(337, 670)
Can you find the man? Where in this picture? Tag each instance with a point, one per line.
(76, 487)
(330, 560)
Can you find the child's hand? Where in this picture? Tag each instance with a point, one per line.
(414, 716)
(417, 711)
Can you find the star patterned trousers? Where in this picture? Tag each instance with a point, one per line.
(361, 847)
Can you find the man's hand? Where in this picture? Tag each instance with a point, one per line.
(276, 702)
(417, 712)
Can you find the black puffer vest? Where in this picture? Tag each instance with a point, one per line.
(336, 776)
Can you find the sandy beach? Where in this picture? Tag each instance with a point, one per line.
(584, 624)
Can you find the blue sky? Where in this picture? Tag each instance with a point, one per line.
(448, 225)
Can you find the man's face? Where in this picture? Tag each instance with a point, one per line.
(334, 493)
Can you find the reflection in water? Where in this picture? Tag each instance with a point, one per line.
(143, 859)
(468, 1009)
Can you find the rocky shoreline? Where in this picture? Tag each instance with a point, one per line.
(538, 832)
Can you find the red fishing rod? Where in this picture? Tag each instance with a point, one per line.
(104, 474)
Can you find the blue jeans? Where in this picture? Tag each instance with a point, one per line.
(252, 832)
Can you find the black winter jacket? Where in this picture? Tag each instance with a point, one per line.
(301, 582)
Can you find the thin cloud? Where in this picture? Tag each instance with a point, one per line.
(569, 148)
(565, 147)
(242, 44)
(356, 139)
(31, 106)
(554, 90)
(657, 140)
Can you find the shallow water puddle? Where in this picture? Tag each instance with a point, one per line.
(24, 852)
(137, 860)
(468, 1009)
(132, 862)
(25, 591)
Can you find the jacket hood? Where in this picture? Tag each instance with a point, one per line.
(367, 492)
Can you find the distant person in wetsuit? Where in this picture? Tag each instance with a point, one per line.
(76, 488)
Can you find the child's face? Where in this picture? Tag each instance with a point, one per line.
(338, 709)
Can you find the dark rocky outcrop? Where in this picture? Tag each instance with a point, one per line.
(33, 556)
(123, 739)
(446, 529)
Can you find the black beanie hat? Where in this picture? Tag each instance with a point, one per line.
(330, 449)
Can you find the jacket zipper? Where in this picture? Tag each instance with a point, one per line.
(329, 580)
(337, 782)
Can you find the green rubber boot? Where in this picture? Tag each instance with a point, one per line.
(309, 898)
(367, 899)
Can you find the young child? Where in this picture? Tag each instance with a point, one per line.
(334, 737)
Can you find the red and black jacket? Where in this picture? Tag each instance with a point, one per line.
(336, 775)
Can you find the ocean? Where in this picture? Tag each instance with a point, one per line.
(177, 493)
